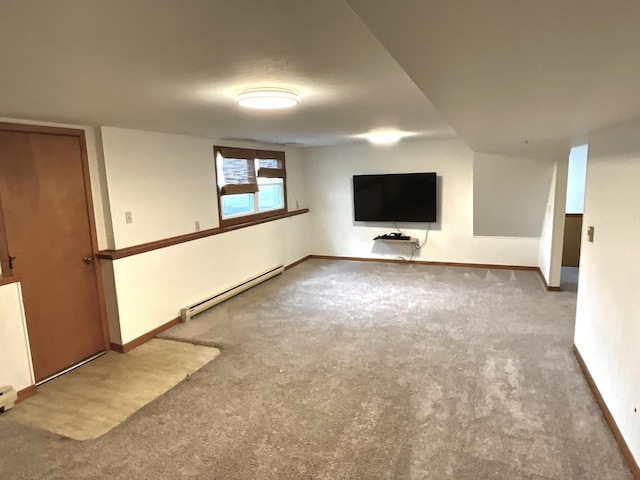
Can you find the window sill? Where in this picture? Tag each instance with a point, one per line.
(167, 242)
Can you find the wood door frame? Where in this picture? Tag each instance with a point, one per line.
(4, 247)
(80, 134)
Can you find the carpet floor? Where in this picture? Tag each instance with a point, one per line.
(350, 370)
(569, 279)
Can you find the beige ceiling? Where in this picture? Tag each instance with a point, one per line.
(174, 66)
(502, 71)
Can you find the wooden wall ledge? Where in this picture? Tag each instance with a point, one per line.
(167, 242)
(8, 280)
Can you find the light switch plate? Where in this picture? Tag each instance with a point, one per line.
(590, 232)
(128, 218)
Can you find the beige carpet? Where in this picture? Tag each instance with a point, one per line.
(341, 370)
(92, 399)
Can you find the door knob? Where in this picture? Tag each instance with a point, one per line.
(88, 259)
(11, 259)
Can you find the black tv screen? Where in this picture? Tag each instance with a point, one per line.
(397, 197)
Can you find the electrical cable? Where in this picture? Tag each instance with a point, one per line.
(426, 235)
(415, 248)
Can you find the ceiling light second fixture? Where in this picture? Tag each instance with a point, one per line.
(385, 137)
(268, 98)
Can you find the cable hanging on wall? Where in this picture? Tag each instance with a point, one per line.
(416, 248)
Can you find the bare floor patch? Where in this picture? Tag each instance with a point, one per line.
(94, 398)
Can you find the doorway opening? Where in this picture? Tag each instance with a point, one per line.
(574, 210)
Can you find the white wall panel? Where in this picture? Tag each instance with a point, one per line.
(509, 195)
(15, 356)
(608, 311)
(451, 239)
(152, 287)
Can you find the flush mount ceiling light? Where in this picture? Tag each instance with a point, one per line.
(268, 98)
(384, 138)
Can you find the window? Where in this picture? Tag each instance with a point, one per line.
(251, 184)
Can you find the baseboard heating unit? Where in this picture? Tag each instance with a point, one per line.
(217, 298)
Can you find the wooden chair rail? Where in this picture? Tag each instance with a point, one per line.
(167, 242)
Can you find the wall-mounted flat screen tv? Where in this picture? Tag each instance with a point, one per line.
(397, 197)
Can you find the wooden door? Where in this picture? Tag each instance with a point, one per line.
(48, 234)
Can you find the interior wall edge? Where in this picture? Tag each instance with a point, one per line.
(624, 448)
(144, 338)
(557, 244)
(119, 347)
(104, 190)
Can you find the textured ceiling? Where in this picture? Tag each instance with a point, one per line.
(501, 72)
(505, 71)
(174, 66)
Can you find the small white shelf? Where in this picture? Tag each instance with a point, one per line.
(413, 240)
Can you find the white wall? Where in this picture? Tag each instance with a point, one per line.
(546, 236)
(15, 356)
(552, 232)
(608, 311)
(330, 171)
(577, 179)
(559, 219)
(152, 287)
(111, 301)
(168, 182)
(509, 194)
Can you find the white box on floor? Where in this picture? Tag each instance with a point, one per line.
(8, 397)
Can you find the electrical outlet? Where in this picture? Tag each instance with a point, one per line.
(128, 218)
(197, 225)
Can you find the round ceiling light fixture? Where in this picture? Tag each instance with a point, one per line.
(385, 137)
(268, 98)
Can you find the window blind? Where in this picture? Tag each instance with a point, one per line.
(270, 164)
(238, 171)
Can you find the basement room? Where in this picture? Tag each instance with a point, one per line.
(319, 240)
